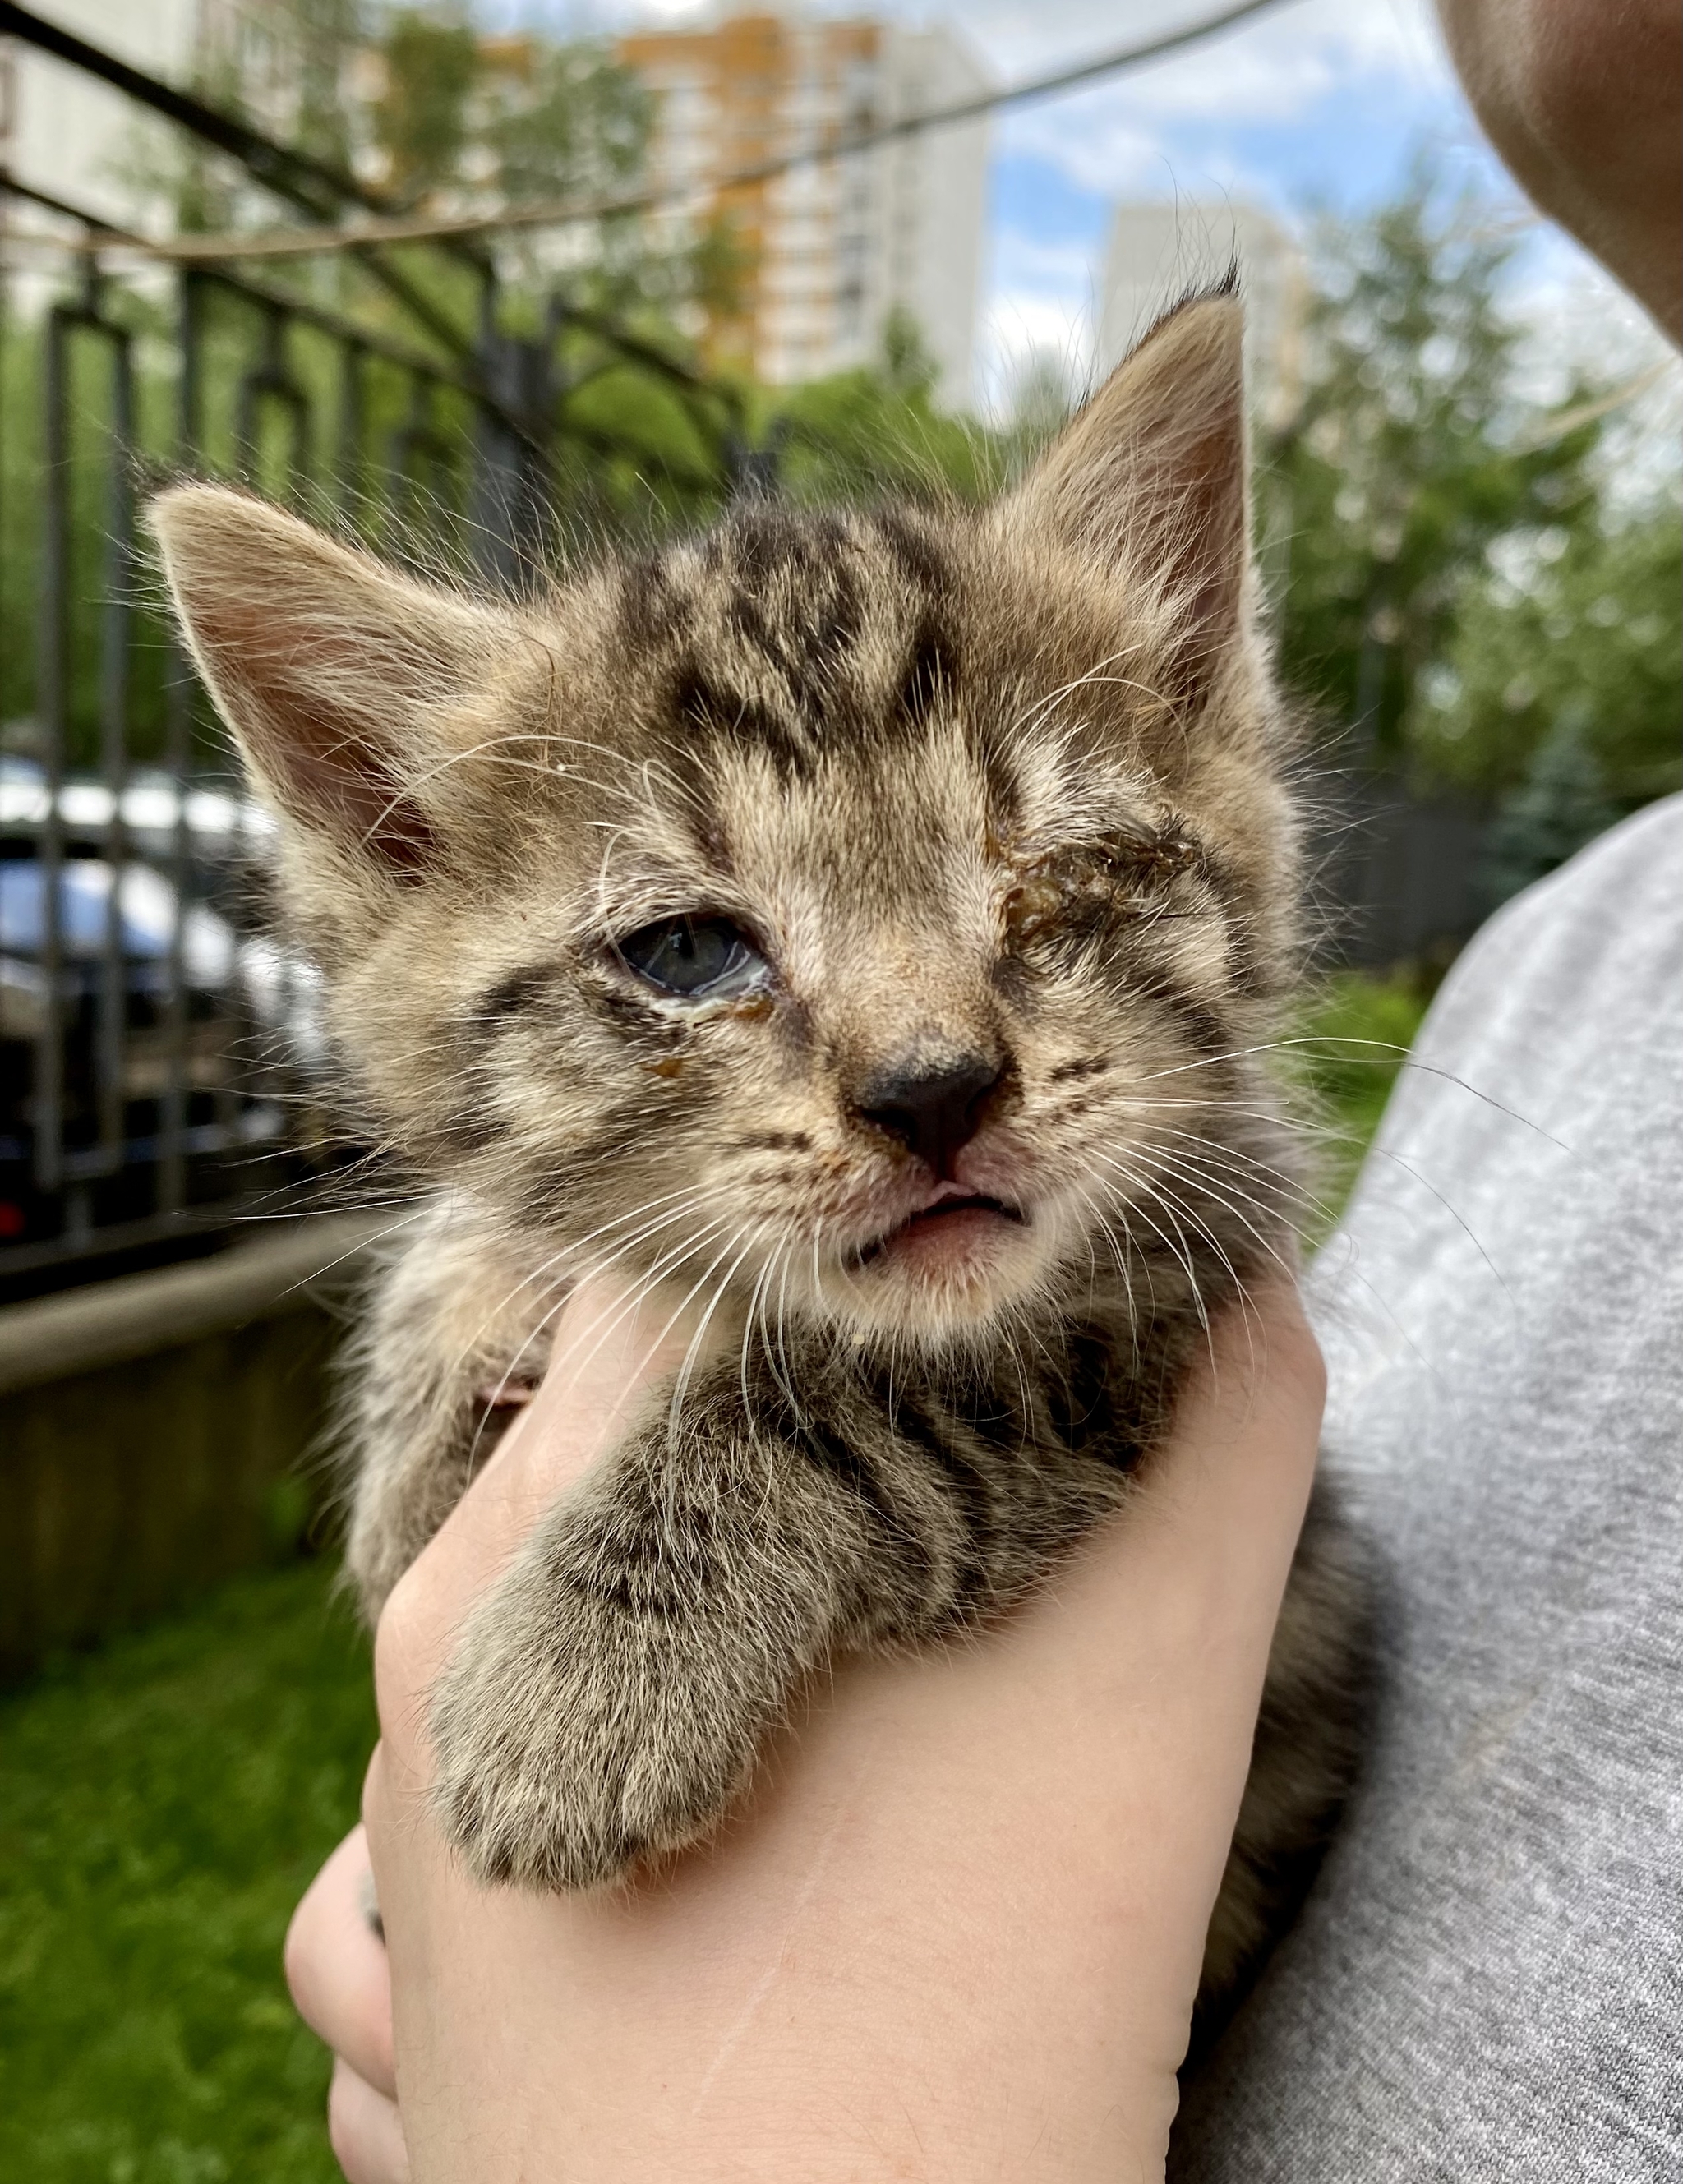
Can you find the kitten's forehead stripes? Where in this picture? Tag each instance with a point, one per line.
(798, 633)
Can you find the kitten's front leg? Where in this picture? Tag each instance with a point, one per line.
(452, 1317)
(608, 1697)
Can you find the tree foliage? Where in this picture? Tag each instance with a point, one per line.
(858, 435)
(421, 114)
(515, 118)
(1457, 589)
(1575, 643)
(1406, 460)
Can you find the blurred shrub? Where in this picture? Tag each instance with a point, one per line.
(1574, 647)
(1351, 1041)
(1460, 587)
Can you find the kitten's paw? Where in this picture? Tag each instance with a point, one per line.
(565, 1754)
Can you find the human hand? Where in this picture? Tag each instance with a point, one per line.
(955, 1934)
(342, 1984)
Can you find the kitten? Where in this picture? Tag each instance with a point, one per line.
(868, 925)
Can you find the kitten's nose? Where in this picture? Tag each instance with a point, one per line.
(933, 1105)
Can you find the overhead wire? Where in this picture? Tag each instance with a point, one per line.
(564, 212)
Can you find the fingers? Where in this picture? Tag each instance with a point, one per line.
(607, 1357)
(1254, 1396)
(1208, 1542)
(337, 1970)
(364, 2130)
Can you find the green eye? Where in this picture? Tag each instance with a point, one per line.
(699, 959)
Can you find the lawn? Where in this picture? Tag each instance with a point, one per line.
(1353, 1042)
(164, 1802)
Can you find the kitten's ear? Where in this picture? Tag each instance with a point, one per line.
(325, 665)
(1151, 477)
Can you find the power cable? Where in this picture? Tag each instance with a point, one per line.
(315, 187)
(293, 243)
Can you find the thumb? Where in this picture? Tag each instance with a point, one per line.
(609, 1355)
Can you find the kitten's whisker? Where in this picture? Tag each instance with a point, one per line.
(1179, 1206)
(1290, 1184)
(784, 1376)
(1178, 1253)
(680, 1385)
(1386, 1047)
(691, 1200)
(687, 1197)
(613, 1315)
(757, 1311)
(1217, 1180)
(1200, 1182)
(1028, 723)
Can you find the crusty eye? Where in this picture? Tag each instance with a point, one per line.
(695, 959)
(1125, 875)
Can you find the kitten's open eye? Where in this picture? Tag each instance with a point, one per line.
(699, 959)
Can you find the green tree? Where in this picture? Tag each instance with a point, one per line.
(526, 120)
(858, 434)
(1561, 804)
(1406, 460)
(575, 122)
(1569, 645)
(323, 36)
(289, 81)
(421, 118)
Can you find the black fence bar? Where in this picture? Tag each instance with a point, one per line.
(52, 703)
(178, 704)
(158, 1065)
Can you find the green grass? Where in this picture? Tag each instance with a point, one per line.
(1355, 1034)
(163, 1804)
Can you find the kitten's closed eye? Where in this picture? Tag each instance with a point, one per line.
(693, 959)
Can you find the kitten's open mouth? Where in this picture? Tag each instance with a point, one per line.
(955, 1221)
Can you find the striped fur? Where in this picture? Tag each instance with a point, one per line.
(999, 786)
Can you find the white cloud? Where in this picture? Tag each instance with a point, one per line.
(1020, 327)
(1274, 66)
(1272, 71)
(1041, 302)
(1188, 126)
(1030, 264)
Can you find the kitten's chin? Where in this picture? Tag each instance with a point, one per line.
(941, 1275)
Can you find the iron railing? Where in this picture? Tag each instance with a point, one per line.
(155, 1047)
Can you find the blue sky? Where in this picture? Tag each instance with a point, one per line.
(1311, 103)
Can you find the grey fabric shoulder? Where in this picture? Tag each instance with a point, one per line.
(1487, 1982)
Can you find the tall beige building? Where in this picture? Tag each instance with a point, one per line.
(65, 133)
(1156, 251)
(832, 247)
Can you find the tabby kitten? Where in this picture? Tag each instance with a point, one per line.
(865, 926)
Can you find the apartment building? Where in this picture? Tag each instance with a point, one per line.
(1156, 251)
(63, 132)
(834, 247)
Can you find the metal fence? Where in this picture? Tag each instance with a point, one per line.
(155, 1047)
(157, 1050)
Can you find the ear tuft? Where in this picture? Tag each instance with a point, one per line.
(1150, 479)
(323, 662)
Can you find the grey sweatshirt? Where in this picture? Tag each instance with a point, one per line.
(1487, 1982)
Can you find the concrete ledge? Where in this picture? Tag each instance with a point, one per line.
(109, 1323)
(163, 1432)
